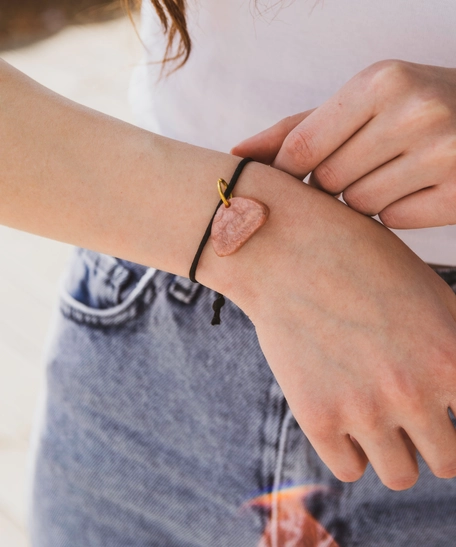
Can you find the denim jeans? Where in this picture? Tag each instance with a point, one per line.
(158, 429)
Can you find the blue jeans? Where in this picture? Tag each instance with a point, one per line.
(159, 429)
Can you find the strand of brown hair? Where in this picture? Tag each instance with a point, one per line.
(172, 17)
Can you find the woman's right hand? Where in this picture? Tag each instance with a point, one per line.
(359, 332)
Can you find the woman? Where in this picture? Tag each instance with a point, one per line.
(160, 429)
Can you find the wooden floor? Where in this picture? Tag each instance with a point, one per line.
(91, 65)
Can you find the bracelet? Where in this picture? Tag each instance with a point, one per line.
(230, 227)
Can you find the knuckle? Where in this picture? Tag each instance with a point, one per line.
(444, 153)
(402, 390)
(301, 147)
(323, 434)
(286, 124)
(434, 109)
(401, 482)
(367, 418)
(323, 430)
(371, 426)
(391, 218)
(360, 202)
(425, 111)
(388, 75)
(327, 177)
(398, 382)
(422, 419)
(443, 359)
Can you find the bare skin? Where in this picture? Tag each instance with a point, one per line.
(386, 139)
(359, 332)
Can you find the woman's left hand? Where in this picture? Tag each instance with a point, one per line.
(386, 139)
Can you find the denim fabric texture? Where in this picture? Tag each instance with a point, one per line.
(158, 429)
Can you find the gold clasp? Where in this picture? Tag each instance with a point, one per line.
(221, 192)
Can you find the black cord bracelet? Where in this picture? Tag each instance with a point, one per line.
(220, 299)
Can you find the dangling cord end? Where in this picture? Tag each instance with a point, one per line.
(219, 302)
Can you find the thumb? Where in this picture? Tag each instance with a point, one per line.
(263, 146)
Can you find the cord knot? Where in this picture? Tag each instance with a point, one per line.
(219, 302)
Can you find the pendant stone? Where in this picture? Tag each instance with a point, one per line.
(234, 225)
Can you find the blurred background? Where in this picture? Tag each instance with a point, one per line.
(84, 50)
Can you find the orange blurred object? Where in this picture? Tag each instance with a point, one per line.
(293, 526)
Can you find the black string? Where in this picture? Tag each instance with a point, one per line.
(220, 299)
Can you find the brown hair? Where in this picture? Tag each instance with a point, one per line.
(172, 17)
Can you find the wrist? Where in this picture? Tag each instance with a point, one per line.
(240, 276)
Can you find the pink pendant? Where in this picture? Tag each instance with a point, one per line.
(234, 225)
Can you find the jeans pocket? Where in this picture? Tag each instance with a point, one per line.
(102, 290)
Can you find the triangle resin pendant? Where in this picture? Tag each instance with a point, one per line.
(234, 225)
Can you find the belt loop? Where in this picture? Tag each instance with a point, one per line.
(278, 478)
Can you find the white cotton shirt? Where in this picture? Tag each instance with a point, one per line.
(253, 64)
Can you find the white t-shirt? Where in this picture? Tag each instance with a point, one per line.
(251, 66)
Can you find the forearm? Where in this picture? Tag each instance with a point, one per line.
(73, 174)
(70, 173)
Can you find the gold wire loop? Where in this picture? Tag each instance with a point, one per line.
(221, 192)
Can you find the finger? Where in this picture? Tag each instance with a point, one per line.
(263, 146)
(368, 149)
(422, 209)
(389, 183)
(344, 458)
(392, 457)
(312, 183)
(326, 129)
(435, 438)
